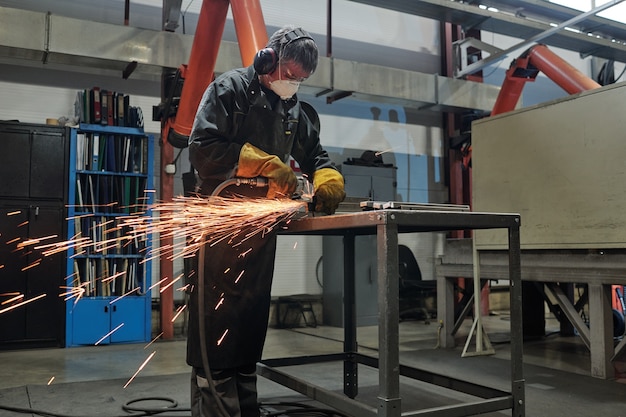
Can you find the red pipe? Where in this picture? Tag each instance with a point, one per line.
(559, 71)
(250, 28)
(526, 67)
(166, 266)
(510, 92)
(198, 73)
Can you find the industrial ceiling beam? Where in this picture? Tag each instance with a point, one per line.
(477, 66)
(35, 38)
(608, 39)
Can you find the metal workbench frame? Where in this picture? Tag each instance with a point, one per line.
(386, 224)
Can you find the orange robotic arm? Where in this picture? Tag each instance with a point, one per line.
(526, 68)
(176, 123)
(199, 72)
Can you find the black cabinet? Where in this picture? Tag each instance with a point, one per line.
(33, 161)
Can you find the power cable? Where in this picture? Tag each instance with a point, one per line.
(202, 333)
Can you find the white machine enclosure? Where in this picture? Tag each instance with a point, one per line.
(561, 165)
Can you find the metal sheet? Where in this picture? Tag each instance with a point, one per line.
(561, 166)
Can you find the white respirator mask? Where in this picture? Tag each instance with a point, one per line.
(285, 89)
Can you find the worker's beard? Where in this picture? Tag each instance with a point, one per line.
(284, 88)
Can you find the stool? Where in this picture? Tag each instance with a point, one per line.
(297, 305)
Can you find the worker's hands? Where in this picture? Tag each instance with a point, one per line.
(329, 190)
(253, 162)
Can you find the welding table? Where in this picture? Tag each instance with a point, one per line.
(386, 224)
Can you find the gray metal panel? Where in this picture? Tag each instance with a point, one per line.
(472, 17)
(81, 42)
(372, 82)
(14, 25)
(561, 166)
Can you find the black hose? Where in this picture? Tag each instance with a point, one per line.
(257, 182)
(202, 333)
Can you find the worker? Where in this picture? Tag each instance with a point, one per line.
(248, 124)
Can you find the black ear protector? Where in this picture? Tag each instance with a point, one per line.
(266, 59)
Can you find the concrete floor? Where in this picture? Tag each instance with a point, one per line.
(89, 381)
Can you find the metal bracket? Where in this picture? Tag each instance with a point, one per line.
(462, 58)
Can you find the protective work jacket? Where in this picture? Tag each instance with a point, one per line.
(235, 109)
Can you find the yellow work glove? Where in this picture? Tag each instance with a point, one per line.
(329, 190)
(253, 162)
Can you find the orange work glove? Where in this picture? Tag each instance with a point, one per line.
(253, 162)
(329, 189)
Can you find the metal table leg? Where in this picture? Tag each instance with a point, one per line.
(350, 365)
(515, 277)
(388, 321)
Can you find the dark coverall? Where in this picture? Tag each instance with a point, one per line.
(236, 109)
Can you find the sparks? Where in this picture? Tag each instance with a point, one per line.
(242, 254)
(109, 334)
(379, 153)
(74, 292)
(35, 241)
(157, 283)
(219, 342)
(165, 287)
(178, 312)
(191, 221)
(16, 296)
(195, 221)
(124, 295)
(50, 381)
(153, 340)
(32, 265)
(140, 368)
(17, 239)
(239, 277)
(4, 310)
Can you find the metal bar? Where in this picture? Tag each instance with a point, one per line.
(303, 360)
(445, 310)
(350, 367)
(619, 349)
(437, 379)
(477, 66)
(601, 331)
(515, 279)
(388, 318)
(465, 409)
(332, 399)
(570, 311)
